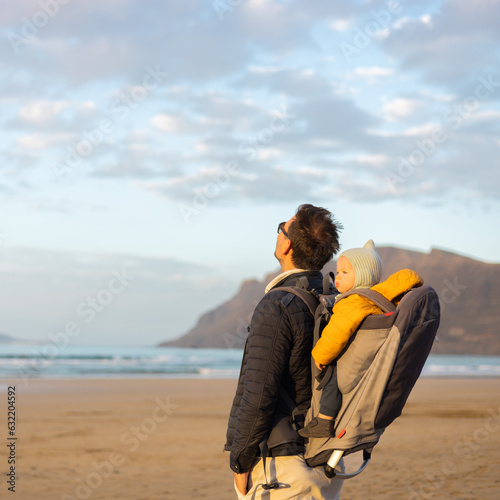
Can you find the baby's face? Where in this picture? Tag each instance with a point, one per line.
(344, 279)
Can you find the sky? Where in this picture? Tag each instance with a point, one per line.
(149, 150)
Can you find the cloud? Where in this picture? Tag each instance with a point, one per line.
(135, 156)
(206, 135)
(224, 80)
(260, 183)
(453, 46)
(39, 141)
(171, 123)
(373, 71)
(426, 129)
(221, 109)
(152, 298)
(292, 82)
(179, 124)
(342, 25)
(79, 44)
(41, 111)
(400, 108)
(335, 119)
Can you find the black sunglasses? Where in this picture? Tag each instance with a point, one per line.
(281, 229)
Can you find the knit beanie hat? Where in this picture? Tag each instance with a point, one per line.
(366, 264)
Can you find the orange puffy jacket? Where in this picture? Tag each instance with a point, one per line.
(349, 312)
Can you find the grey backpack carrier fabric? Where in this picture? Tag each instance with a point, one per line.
(376, 371)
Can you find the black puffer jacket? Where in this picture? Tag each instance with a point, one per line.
(277, 354)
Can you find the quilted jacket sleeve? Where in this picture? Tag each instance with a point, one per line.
(348, 313)
(398, 283)
(267, 355)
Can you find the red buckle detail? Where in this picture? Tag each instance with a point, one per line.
(341, 434)
(389, 314)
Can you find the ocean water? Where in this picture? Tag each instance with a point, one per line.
(32, 361)
(22, 361)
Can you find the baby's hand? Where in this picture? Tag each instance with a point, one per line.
(319, 366)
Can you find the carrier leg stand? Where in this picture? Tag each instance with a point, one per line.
(335, 459)
(332, 463)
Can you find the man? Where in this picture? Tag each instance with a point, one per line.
(276, 367)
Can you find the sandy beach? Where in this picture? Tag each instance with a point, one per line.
(162, 439)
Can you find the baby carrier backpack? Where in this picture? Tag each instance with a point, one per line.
(376, 371)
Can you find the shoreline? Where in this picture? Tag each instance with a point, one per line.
(171, 377)
(157, 438)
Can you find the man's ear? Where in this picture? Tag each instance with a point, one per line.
(287, 247)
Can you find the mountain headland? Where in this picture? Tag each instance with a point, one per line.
(469, 292)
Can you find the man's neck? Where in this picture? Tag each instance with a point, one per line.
(287, 264)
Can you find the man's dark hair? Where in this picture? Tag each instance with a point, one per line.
(314, 236)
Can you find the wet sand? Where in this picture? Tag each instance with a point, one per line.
(163, 439)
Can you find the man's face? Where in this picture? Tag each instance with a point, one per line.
(345, 276)
(283, 242)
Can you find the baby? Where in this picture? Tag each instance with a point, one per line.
(356, 268)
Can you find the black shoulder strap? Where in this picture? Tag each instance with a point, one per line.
(376, 297)
(327, 290)
(309, 298)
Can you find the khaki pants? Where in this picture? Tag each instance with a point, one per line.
(296, 478)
